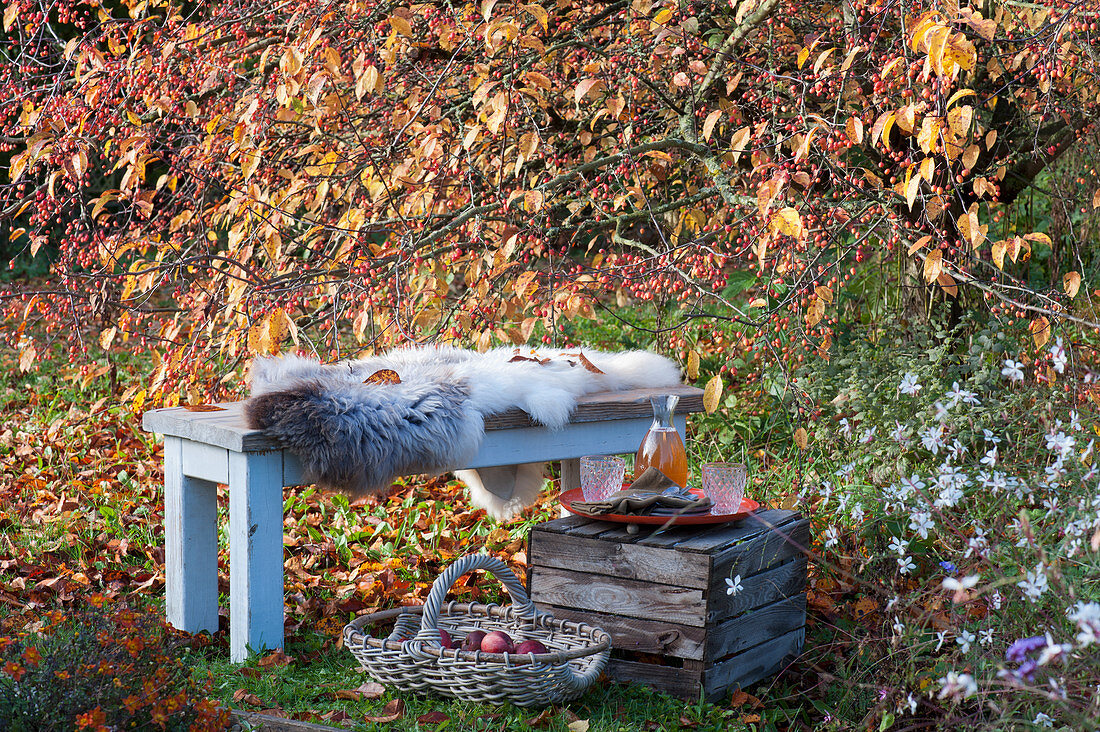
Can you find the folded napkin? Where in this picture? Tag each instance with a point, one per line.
(652, 494)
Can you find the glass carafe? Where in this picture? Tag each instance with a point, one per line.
(662, 447)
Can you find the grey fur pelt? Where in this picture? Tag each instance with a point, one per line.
(358, 437)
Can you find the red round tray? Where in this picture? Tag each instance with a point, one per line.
(747, 506)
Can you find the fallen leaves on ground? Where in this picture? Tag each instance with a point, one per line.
(394, 710)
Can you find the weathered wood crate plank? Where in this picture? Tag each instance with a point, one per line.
(631, 598)
(787, 540)
(786, 580)
(643, 636)
(680, 682)
(770, 621)
(752, 665)
(610, 554)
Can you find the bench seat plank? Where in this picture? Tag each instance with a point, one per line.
(226, 427)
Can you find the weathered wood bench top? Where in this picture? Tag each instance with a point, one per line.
(223, 424)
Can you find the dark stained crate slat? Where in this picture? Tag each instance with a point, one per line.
(752, 665)
(680, 682)
(770, 621)
(790, 539)
(636, 634)
(598, 593)
(726, 535)
(606, 555)
(759, 590)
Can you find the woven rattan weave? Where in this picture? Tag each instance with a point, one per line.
(412, 659)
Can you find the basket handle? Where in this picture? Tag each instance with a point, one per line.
(521, 603)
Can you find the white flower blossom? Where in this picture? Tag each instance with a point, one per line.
(909, 385)
(932, 438)
(957, 686)
(957, 395)
(1060, 443)
(900, 434)
(1058, 355)
(899, 546)
(990, 458)
(1087, 617)
(831, 537)
(990, 437)
(1043, 720)
(960, 586)
(733, 586)
(905, 565)
(1013, 370)
(921, 522)
(845, 427)
(965, 639)
(985, 637)
(941, 412)
(1035, 584)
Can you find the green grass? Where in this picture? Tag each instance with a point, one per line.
(311, 687)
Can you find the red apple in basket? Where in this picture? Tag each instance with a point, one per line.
(472, 641)
(445, 639)
(530, 646)
(497, 642)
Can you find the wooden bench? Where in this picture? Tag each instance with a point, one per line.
(205, 448)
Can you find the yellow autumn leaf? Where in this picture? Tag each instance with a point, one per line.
(401, 25)
(801, 438)
(1071, 283)
(712, 392)
(709, 122)
(692, 368)
(1040, 330)
(933, 265)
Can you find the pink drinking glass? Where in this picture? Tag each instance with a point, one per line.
(724, 485)
(601, 475)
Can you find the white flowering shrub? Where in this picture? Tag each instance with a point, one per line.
(956, 512)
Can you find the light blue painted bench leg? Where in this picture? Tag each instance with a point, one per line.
(255, 552)
(190, 545)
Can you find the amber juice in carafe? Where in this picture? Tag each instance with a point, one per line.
(662, 447)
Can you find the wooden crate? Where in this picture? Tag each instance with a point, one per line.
(663, 596)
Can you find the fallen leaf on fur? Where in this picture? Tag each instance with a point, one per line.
(383, 376)
(244, 695)
(588, 365)
(394, 710)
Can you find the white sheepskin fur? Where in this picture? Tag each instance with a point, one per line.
(357, 437)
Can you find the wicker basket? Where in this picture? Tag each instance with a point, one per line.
(412, 659)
